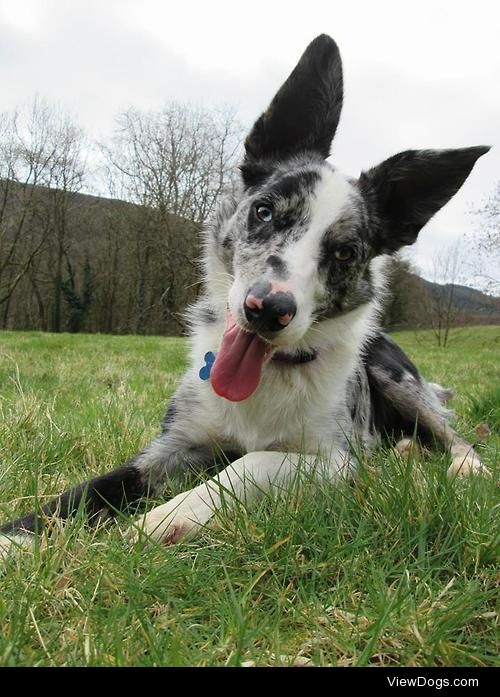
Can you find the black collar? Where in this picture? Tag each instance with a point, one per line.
(301, 356)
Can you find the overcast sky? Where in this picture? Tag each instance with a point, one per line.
(417, 75)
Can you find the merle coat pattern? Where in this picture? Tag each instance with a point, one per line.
(294, 278)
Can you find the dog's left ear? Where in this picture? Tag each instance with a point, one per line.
(408, 189)
(304, 114)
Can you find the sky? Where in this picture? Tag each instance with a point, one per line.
(416, 75)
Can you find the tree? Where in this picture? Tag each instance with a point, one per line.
(487, 242)
(78, 302)
(174, 164)
(41, 166)
(441, 304)
(24, 161)
(403, 306)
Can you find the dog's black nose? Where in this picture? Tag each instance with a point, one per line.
(269, 310)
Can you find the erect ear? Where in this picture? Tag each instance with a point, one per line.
(304, 114)
(408, 189)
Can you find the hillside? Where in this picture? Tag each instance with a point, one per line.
(465, 298)
(78, 262)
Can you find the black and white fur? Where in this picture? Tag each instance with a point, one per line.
(334, 379)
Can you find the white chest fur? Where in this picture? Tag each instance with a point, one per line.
(296, 407)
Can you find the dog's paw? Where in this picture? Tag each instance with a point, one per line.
(464, 466)
(406, 448)
(179, 520)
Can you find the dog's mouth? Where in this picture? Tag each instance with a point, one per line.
(237, 369)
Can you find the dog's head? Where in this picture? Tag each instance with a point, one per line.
(300, 238)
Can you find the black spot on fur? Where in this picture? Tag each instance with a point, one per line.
(355, 393)
(279, 267)
(348, 284)
(208, 315)
(300, 183)
(386, 419)
(202, 313)
(361, 293)
(169, 417)
(384, 357)
(288, 197)
(384, 353)
(260, 289)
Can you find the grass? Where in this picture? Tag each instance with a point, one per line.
(399, 569)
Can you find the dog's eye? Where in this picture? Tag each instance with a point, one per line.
(344, 253)
(263, 213)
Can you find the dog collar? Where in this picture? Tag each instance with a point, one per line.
(297, 358)
(301, 356)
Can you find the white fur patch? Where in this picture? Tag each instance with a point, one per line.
(328, 201)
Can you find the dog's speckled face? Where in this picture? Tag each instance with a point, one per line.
(302, 231)
(299, 239)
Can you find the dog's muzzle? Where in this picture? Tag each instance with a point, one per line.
(269, 309)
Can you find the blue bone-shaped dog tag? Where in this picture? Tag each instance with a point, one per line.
(209, 359)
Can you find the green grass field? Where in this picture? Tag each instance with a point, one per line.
(399, 569)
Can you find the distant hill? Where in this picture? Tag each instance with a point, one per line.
(465, 299)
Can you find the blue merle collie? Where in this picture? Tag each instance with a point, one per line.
(288, 364)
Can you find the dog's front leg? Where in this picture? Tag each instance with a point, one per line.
(244, 481)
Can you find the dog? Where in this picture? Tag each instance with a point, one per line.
(289, 367)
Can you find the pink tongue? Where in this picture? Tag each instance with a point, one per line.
(235, 375)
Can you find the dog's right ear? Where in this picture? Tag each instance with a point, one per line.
(304, 114)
